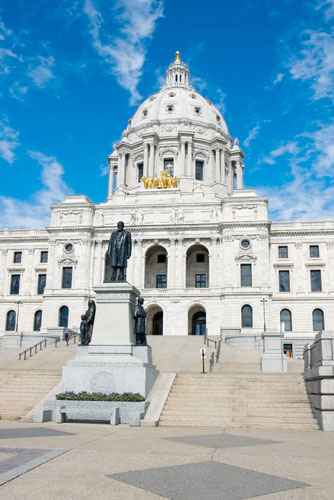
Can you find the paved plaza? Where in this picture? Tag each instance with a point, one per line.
(88, 461)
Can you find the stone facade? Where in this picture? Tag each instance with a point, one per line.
(191, 242)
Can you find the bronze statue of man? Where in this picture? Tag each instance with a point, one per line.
(140, 322)
(87, 323)
(118, 253)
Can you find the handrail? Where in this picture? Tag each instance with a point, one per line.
(213, 355)
(37, 347)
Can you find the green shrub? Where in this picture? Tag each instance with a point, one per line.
(99, 396)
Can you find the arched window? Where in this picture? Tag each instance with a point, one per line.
(285, 318)
(318, 320)
(246, 316)
(37, 321)
(63, 317)
(11, 321)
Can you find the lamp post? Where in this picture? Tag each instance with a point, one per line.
(264, 301)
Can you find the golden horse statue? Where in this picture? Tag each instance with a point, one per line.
(164, 181)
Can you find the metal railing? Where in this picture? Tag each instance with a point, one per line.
(214, 348)
(37, 347)
(43, 344)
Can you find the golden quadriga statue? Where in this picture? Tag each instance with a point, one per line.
(164, 181)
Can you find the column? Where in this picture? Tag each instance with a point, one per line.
(181, 163)
(146, 169)
(230, 178)
(121, 173)
(151, 160)
(99, 264)
(240, 168)
(217, 164)
(171, 264)
(140, 265)
(222, 167)
(212, 170)
(190, 161)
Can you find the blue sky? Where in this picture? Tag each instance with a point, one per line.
(73, 71)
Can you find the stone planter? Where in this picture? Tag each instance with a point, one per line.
(114, 412)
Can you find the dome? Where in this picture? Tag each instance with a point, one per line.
(177, 100)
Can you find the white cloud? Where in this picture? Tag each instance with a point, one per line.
(220, 100)
(4, 31)
(310, 193)
(316, 63)
(41, 71)
(252, 135)
(35, 212)
(9, 141)
(290, 148)
(125, 53)
(278, 78)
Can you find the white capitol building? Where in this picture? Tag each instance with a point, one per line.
(205, 255)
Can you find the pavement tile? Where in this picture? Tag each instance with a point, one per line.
(206, 480)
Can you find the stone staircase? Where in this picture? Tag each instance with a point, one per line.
(238, 395)
(23, 384)
(21, 390)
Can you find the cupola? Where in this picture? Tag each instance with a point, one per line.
(178, 73)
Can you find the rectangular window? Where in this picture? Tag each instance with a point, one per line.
(44, 256)
(161, 258)
(315, 280)
(283, 252)
(15, 284)
(199, 170)
(17, 257)
(314, 251)
(140, 171)
(67, 277)
(41, 282)
(200, 257)
(200, 280)
(169, 166)
(246, 275)
(284, 281)
(161, 280)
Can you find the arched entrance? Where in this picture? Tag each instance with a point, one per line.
(155, 320)
(197, 267)
(197, 320)
(156, 267)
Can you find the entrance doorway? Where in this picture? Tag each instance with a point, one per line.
(197, 321)
(155, 320)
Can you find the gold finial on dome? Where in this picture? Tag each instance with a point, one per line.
(177, 57)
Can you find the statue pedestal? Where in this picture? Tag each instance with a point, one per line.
(112, 362)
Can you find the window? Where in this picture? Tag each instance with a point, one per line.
(37, 321)
(11, 321)
(15, 284)
(17, 257)
(170, 108)
(161, 280)
(44, 256)
(161, 258)
(140, 171)
(283, 252)
(247, 316)
(284, 281)
(197, 110)
(41, 282)
(169, 166)
(199, 170)
(246, 275)
(200, 257)
(286, 321)
(145, 112)
(318, 320)
(245, 244)
(68, 248)
(63, 317)
(200, 280)
(67, 277)
(314, 251)
(315, 280)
